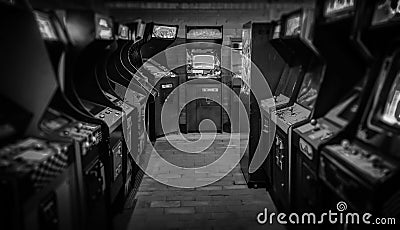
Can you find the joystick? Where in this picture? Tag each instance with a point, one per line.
(314, 123)
(345, 144)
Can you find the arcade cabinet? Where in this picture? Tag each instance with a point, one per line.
(295, 37)
(38, 186)
(257, 52)
(345, 55)
(119, 78)
(165, 81)
(362, 168)
(92, 39)
(203, 52)
(129, 111)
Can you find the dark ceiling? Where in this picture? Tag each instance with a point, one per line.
(159, 4)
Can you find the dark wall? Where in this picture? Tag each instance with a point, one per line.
(97, 5)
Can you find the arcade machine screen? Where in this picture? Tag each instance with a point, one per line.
(309, 88)
(293, 26)
(391, 112)
(45, 27)
(206, 33)
(164, 32)
(123, 32)
(277, 31)
(336, 7)
(104, 29)
(387, 10)
(203, 63)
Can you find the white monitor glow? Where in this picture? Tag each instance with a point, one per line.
(277, 31)
(293, 26)
(335, 7)
(164, 32)
(203, 62)
(391, 113)
(45, 27)
(386, 12)
(104, 29)
(123, 32)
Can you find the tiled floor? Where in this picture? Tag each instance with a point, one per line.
(225, 204)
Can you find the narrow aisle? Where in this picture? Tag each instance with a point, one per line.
(225, 204)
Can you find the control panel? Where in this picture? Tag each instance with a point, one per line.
(271, 104)
(88, 134)
(364, 179)
(370, 165)
(34, 162)
(289, 116)
(111, 117)
(313, 134)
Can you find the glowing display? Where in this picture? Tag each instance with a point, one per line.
(246, 60)
(203, 62)
(164, 32)
(166, 86)
(104, 29)
(335, 7)
(123, 32)
(309, 88)
(391, 113)
(141, 27)
(206, 33)
(386, 11)
(293, 26)
(45, 27)
(103, 22)
(277, 31)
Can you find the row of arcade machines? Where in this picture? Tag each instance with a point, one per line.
(77, 109)
(335, 109)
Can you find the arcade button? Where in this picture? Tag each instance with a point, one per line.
(86, 144)
(64, 149)
(38, 146)
(79, 125)
(345, 144)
